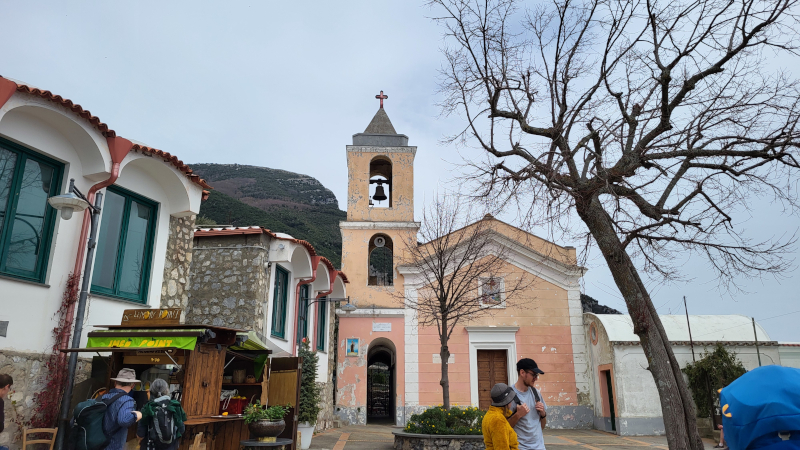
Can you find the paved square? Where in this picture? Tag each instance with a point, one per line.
(379, 437)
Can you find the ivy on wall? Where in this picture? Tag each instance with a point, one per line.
(714, 371)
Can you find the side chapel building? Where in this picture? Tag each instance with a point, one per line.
(388, 367)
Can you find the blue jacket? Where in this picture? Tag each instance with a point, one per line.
(119, 417)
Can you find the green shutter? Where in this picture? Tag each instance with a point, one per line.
(322, 321)
(124, 252)
(302, 317)
(279, 302)
(27, 180)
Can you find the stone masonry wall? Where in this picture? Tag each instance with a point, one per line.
(326, 416)
(177, 262)
(27, 371)
(229, 282)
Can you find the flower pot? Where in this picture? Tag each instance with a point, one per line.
(266, 428)
(306, 433)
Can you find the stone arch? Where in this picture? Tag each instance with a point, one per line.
(176, 186)
(301, 262)
(380, 173)
(25, 119)
(381, 381)
(380, 265)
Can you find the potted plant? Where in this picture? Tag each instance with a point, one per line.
(265, 422)
(309, 395)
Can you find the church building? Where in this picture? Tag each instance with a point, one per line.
(388, 366)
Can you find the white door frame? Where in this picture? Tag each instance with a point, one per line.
(491, 338)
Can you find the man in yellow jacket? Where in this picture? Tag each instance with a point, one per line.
(497, 433)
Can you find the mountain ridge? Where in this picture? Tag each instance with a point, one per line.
(279, 200)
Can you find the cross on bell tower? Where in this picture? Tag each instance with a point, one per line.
(382, 98)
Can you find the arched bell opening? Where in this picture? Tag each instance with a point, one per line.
(381, 382)
(381, 261)
(380, 182)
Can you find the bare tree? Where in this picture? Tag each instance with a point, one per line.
(654, 122)
(461, 271)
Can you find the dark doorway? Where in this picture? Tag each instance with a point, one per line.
(380, 385)
(492, 369)
(610, 398)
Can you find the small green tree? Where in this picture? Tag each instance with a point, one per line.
(309, 391)
(714, 371)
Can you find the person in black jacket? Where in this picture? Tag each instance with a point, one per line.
(159, 396)
(5, 386)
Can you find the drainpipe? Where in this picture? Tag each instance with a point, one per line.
(314, 263)
(332, 273)
(119, 147)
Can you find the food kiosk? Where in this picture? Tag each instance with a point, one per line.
(205, 366)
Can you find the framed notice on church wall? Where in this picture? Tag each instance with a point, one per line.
(381, 326)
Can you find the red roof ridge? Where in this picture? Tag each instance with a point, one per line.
(106, 131)
(232, 231)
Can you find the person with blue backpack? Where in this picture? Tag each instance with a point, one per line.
(121, 413)
(102, 424)
(162, 425)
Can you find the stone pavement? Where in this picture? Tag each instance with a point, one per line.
(379, 437)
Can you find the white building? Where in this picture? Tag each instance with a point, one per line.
(623, 392)
(150, 199)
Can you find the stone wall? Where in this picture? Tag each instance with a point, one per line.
(177, 262)
(229, 282)
(327, 417)
(27, 370)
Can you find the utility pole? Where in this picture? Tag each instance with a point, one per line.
(755, 335)
(688, 325)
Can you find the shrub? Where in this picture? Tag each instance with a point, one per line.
(438, 420)
(255, 412)
(309, 391)
(714, 371)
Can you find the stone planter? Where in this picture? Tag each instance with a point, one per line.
(410, 441)
(266, 428)
(306, 433)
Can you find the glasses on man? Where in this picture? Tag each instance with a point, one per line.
(533, 374)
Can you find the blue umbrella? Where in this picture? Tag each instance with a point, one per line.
(761, 409)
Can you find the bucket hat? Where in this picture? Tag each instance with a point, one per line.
(502, 394)
(126, 376)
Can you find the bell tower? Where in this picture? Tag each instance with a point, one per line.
(380, 210)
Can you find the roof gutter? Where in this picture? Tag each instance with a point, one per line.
(119, 148)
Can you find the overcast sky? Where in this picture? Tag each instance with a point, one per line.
(286, 85)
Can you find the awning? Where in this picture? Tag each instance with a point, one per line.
(185, 339)
(249, 341)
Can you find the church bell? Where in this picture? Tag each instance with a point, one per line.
(379, 194)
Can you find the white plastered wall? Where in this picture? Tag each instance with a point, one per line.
(55, 132)
(637, 395)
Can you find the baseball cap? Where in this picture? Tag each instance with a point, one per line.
(528, 364)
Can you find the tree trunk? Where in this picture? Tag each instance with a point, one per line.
(680, 422)
(444, 353)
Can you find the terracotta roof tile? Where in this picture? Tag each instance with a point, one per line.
(108, 132)
(233, 231)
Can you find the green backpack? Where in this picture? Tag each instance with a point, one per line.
(87, 432)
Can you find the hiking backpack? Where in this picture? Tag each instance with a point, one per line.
(88, 432)
(161, 431)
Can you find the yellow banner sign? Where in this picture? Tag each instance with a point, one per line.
(134, 342)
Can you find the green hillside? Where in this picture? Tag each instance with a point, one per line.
(281, 201)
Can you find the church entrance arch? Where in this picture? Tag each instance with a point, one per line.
(381, 387)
